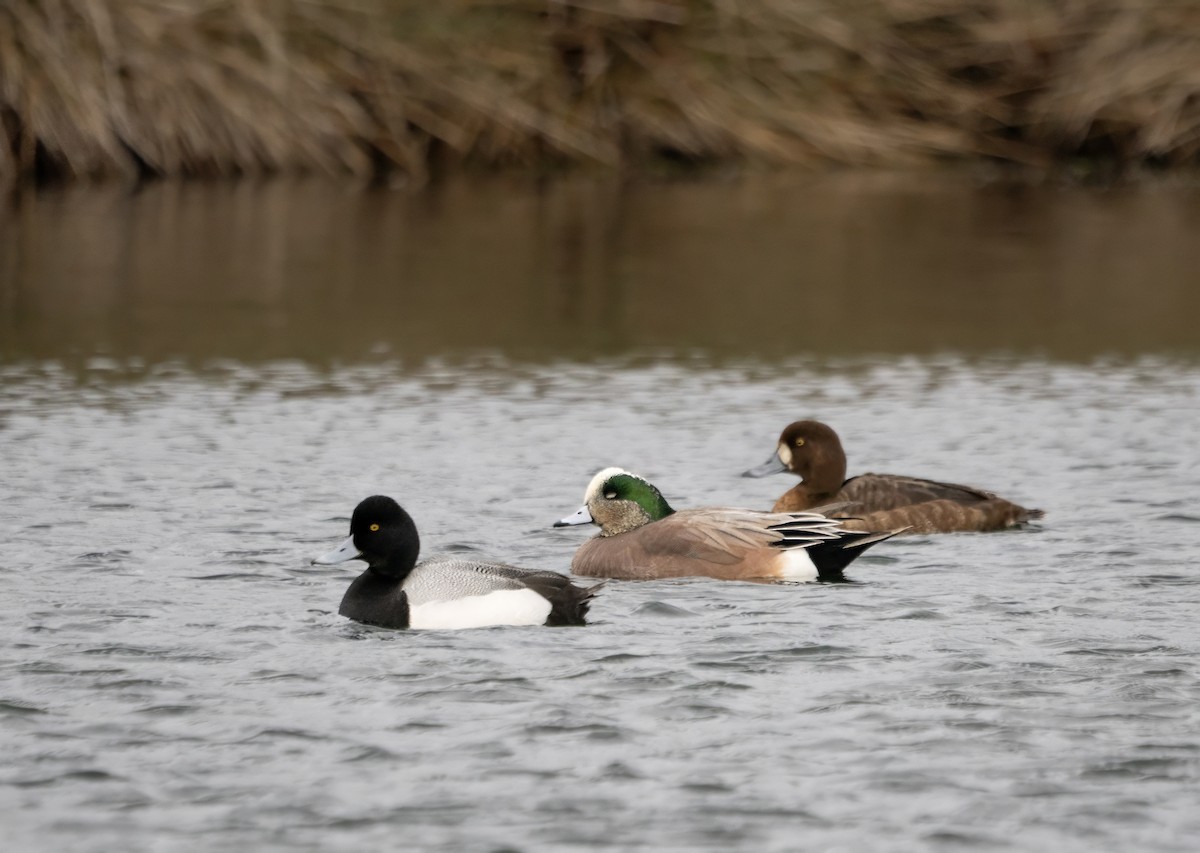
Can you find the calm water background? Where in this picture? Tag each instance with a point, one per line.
(198, 384)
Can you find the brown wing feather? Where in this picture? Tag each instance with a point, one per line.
(716, 536)
(873, 492)
(944, 517)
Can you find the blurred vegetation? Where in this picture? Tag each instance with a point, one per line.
(96, 88)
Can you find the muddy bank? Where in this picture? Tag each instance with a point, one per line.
(102, 88)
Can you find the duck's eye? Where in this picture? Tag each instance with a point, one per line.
(610, 495)
(374, 527)
(799, 442)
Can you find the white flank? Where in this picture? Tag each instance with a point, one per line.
(503, 607)
(599, 480)
(796, 565)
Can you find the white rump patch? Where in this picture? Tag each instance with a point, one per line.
(503, 607)
(600, 479)
(796, 565)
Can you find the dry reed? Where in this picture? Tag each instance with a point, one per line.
(92, 88)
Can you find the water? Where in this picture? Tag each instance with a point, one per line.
(179, 440)
(762, 268)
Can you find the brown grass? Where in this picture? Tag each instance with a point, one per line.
(95, 88)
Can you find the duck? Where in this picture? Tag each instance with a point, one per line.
(812, 450)
(641, 538)
(442, 592)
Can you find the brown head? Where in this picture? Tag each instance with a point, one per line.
(813, 452)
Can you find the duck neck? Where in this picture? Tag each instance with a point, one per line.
(389, 574)
(376, 583)
(398, 563)
(824, 475)
(631, 516)
(795, 499)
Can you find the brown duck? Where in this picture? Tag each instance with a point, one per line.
(812, 451)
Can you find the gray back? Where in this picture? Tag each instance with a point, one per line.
(448, 578)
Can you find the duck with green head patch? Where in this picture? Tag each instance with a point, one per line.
(642, 537)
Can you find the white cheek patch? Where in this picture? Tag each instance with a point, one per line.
(503, 607)
(796, 565)
(785, 454)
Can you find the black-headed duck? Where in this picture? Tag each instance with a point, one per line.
(442, 592)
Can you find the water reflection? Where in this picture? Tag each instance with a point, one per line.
(766, 266)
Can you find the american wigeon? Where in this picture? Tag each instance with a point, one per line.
(442, 592)
(642, 537)
(811, 450)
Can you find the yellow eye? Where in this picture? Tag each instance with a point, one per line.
(799, 442)
(374, 527)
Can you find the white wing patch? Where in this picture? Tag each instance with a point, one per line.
(503, 607)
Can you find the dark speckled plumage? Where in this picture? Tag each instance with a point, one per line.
(812, 450)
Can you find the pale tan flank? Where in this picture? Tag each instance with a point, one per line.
(729, 544)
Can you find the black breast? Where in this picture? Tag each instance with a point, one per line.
(376, 600)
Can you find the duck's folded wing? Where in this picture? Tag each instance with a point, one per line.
(875, 492)
(725, 536)
(513, 573)
(447, 578)
(547, 583)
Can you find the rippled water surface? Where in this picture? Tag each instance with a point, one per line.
(174, 676)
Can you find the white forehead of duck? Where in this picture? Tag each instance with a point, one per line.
(600, 479)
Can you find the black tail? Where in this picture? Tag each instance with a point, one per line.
(833, 555)
(568, 603)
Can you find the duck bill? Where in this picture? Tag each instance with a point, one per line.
(341, 554)
(774, 465)
(580, 516)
